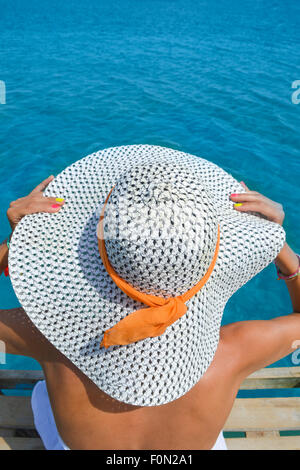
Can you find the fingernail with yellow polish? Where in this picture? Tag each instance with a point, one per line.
(59, 199)
(238, 204)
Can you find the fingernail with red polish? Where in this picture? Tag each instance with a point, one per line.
(55, 206)
(233, 194)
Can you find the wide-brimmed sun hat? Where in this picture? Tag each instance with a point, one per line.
(135, 298)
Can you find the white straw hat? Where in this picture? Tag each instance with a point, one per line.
(161, 231)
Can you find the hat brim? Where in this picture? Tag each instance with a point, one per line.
(60, 281)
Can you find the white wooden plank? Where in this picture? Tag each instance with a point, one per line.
(252, 414)
(21, 443)
(15, 412)
(10, 378)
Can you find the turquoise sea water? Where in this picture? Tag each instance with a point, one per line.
(210, 78)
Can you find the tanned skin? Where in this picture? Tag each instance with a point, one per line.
(87, 418)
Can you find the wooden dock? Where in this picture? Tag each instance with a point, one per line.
(259, 419)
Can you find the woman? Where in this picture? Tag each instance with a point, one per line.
(88, 418)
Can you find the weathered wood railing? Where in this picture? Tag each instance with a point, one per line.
(17, 430)
(261, 419)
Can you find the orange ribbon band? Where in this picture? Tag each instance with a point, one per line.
(146, 322)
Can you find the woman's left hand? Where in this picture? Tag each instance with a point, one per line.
(256, 202)
(34, 202)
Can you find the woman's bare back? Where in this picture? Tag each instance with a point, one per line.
(88, 418)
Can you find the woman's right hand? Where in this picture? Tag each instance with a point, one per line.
(32, 203)
(256, 202)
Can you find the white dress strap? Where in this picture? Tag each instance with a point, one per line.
(43, 418)
(220, 443)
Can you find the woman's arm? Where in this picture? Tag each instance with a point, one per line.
(16, 330)
(34, 202)
(260, 343)
(3, 256)
(288, 263)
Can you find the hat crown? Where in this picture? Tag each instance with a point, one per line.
(160, 229)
